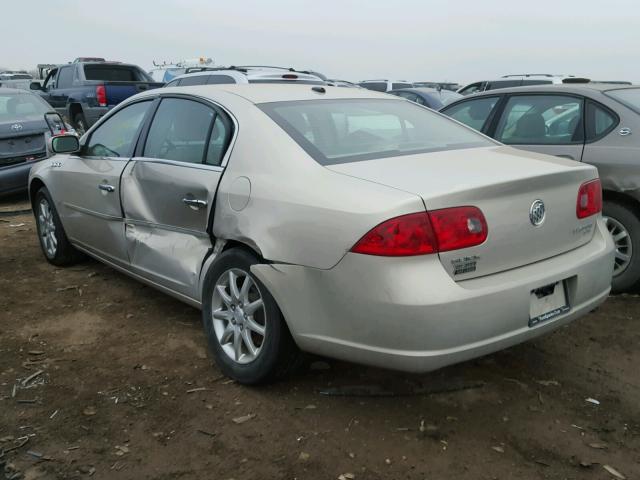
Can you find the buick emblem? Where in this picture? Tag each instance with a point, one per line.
(537, 213)
(16, 127)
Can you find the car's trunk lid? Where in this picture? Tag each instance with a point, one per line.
(504, 184)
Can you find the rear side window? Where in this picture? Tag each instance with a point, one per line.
(541, 120)
(536, 82)
(179, 131)
(115, 73)
(221, 80)
(375, 86)
(600, 121)
(340, 131)
(503, 84)
(117, 135)
(473, 113)
(193, 80)
(401, 85)
(220, 137)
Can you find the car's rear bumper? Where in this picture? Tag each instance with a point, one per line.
(14, 178)
(408, 314)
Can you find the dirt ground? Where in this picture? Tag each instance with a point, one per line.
(103, 377)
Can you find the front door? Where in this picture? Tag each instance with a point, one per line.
(169, 190)
(543, 123)
(88, 184)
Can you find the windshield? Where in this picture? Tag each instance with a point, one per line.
(14, 106)
(629, 97)
(341, 131)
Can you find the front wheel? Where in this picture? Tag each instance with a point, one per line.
(624, 227)
(54, 243)
(245, 329)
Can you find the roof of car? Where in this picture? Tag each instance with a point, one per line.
(276, 92)
(565, 87)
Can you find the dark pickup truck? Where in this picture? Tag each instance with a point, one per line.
(82, 92)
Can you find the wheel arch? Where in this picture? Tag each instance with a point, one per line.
(622, 198)
(35, 185)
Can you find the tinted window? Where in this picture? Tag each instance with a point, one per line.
(179, 131)
(115, 73)
(401, 85)
(375, 86)
(339, 131)
(473, 113)
(65, 78)
(220, 136)
(628, 96)
(600, 121)
(221, 79)
(117, 135)
(503, 84)
(193, 80)
(541, 119)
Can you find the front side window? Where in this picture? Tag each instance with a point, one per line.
(541, 120)
(473, 113)
(341, 131)
(50, 81)
(117, 135)
(179, 131)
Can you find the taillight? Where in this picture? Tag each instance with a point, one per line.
(458, 227)
(101, 95)
(425, 232)
(589, 199)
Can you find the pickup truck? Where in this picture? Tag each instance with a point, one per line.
(82, 92)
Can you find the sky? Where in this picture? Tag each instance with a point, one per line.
(461, 40)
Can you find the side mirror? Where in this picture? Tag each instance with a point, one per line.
(35, 86)
(64, 144)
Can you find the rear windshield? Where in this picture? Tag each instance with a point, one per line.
(114, 73)
(16, 106)
(627, 96)
(341, 131)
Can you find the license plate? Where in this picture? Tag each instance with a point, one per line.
(547, 302)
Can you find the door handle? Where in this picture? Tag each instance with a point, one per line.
(194, 203)
(107, 188)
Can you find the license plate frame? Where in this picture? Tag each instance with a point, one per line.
(548, 302)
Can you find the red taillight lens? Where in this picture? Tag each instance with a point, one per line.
(458, 227)
(401, 236)
(589, 199)
(101, 95)
(423, 233)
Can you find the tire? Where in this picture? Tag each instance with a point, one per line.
(238, 317)
(53, 241)
(80, 123)
(620, 217)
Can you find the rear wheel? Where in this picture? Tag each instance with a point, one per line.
(624, 226)
(245, 329)
(53, 241)
(80, 123)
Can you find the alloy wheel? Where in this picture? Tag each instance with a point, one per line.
(623, 245)
(47, 228)
(238, 316)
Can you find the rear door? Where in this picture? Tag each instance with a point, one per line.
(543, 123)
(169, 188)
(88, 184)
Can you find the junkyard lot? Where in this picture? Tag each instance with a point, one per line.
(127, 390)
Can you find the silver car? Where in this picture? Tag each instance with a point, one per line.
(592, 123)
(337, 221)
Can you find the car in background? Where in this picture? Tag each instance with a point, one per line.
(24, 130)
(244, 75)
(341, 83)
(597, 124)
(508, 81)
(429, 97)
(384, 85)
(342, 222)
(439, 85)
(10, 79)
(82, 92)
